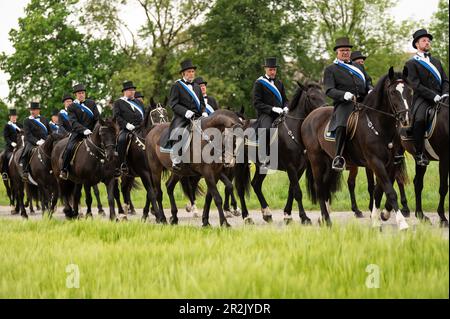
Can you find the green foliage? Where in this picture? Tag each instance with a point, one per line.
(439, 29)
(51, 55)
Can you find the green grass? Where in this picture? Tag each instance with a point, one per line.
(275, 189)
(136, 260)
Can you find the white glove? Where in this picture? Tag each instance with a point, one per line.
(437, 98)
(278, 110)
(87, 132)
(444, 95)
(13, 144)
(204, 114)
(285, 110)
(130, 127)
(40, 142)
(189, 114)
(348, 96)
(370, 91)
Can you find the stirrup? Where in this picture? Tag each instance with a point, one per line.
(338, 163)
(5, 176)
(124, 168)
(421, 159)
(64, 175)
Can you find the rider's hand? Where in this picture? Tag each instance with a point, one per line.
(130, 127)
(13, 144)
(348, 96)
(437, 98)
(277, 110)
(285, 110)
(189, 114)
(204, 114)
(87, 132)
(40, 142)
(444, 96)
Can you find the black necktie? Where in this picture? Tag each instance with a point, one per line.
(205, 96)
(427, 55)
(190, 83)
(348, 62)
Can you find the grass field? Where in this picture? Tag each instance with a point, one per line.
(275, 190)
(126, 260)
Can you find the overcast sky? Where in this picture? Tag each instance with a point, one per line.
(12, 10)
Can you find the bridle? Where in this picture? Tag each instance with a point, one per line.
(101, 150)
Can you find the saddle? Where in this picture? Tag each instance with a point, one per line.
(352, 123)
(406, 133)
(74, 154)
(186, 130)
(252, 141)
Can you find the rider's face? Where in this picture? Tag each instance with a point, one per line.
(271, 72)
(423, 44)
(13, 118)
(67, 103)
(129, 94)
(81, 96)
(189, 74)
(343, 54)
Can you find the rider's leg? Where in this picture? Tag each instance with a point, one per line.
(341, 136)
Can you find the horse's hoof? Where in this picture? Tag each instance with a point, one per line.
(237, 212)
(248, 221)
(32, 213)
(228, 214)
(89, 216)
(144, 218)
(425, 220)
(14, 212)
(443, 224)
(206, 225)
(132, 212)
(287, 219)
(406, 212)
(102, 214)
(24, 216)
(80, 215)
(385, 215)
(188, 208)
(173, 221)
(225, 225)
(268, 218)
(306, 221)
(196, 215)
(359, 214)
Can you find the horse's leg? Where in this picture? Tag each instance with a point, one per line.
(151, 198)
(351, 183)
(20, 201)
(403, 200)
(76, 200)
(29, 199)
(206, 208)
(370, 187)
(99, 202)
(228, 190)
(242, 174)
(257, 182)
(320, 166)
(294, 188)
(418, 187)
(125, 187)
(443, 189)
(157, 204)
(211, 182)
(111, 186)
(88, 200)
(170, 186)
(385, 182)
(116, 194)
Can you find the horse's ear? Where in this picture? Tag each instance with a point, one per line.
(301, 86)
(152, 102)
(242, 110)
(405, 73)
(391, 73)
(166, 99)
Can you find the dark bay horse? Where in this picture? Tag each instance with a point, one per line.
(372, 145)
(161, 162)
(291, 157)
(438, 142)
(94, 162)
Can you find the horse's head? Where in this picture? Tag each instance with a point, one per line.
(399, 95)
(106, 131)
(307, 98)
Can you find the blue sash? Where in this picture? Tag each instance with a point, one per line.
(54, 127)
(429, 67)
(85, 109)
(192, 94)
(352, 69)
(137, 107)
(14, 126)
(64, 114)
(272, 89)
(40, 124)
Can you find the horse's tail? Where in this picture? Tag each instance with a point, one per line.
(310, 183)
(133, 183)
(242, 178)
(401, 173)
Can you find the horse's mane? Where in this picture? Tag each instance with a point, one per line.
(296, 98)
(377, 95)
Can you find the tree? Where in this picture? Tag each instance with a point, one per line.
(235, 38)
(51, 55)
(439, 28)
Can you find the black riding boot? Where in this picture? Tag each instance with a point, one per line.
(339, 161)
(67, 157)
(5, 166)
(24, 161)
(419, 133)
(121, 151)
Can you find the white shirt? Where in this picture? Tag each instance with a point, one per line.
(422, 55)
(189, 85)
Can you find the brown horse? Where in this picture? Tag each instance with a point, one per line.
(291, 157)
(160, 162)
(372, 145)
(437, 143)
(94, 162)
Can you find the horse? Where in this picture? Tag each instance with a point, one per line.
(94, 161)
(291, 157)
(385, 108)
(161, 162)
(437, 150)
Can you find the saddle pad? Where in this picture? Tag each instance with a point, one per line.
(76, 151)
(352, 123)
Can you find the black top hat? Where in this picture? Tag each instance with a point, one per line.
(55, 112)
(67, 97)
(343, 42)
(138, 95)
(78, 88)
(420, 34)
(186, 65)
(200, 80)
(127, 85)
(357, 55)
(35, 106)
(271, 63)
(12, 112)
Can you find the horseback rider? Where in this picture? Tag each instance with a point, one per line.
(430, 84)
(139, 96)
(210, 102)
(346, 83)
(54, 126)
(186, 101)
(36, 130)
(129, 115)
(10, 135)
(358, 58)
(83, 114)
(63, 117)
(269, 99)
